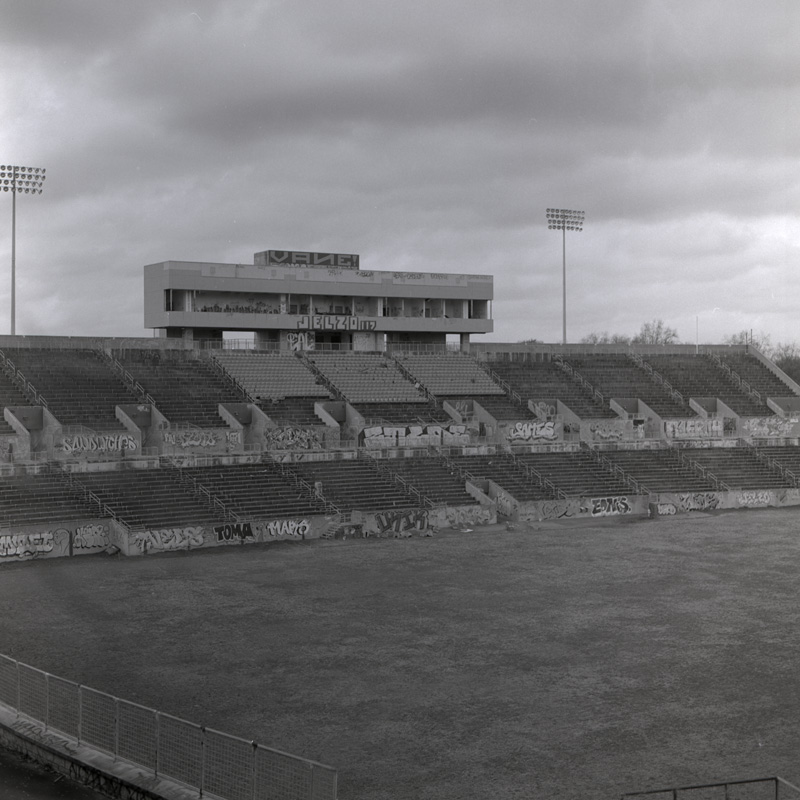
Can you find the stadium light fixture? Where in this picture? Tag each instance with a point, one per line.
(27, 180)
(564, 219)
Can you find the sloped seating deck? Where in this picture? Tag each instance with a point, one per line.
(148, 498)
(501, 407)
(79, 386)
(433, 479)
(750, 369)
(9, 396)
(699, 376)
(444, 375)
(271, 375)
(403, 413)
(366, 377)
(43, 498)
(257, 489)
(615, 376)
(576, 473)
(659, 471)
(355, 484)
(545, 381)
(503, 470)
(297, 411)
(738, 468)
(186, 391)
(787, 456)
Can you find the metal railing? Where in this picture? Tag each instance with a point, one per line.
(778, 784)
(204, 759)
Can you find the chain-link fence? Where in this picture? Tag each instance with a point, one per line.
(214, 763)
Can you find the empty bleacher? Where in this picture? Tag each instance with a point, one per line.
(755, 373)
(738, 468)
(434, 479)
(428, 413)
(271, 375)
(576, 474)
(659, 470)
(366, 377)
(506, 471)
(699, 376)
(186, 390)
(356, 484)
(452, 374)
(11, 396)
(616, 377)
(258, 490)
(79, 386)
(40, 498)
(546, 381)
(148, 498)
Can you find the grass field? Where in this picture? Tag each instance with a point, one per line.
(553, 663)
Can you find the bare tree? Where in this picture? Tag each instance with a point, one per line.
(761, 341)
(606, 338)
(656, 332)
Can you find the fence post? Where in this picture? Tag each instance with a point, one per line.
(47, 699)
(116, 727)
(255, 751)
(158, 739)
(19, 695)
(202, 758)
(80, 713)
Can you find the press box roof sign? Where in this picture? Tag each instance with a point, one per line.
(286, 258)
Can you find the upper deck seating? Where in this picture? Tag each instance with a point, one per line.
(271, 375)
(453, 374)
(257, 490)
(42, 498)
(366, 377)
(9, 396)
(760, 378)
(297, 411)
(403, 413)
(545, 381)
(79, 386)
(148, 498)
(617, 377)
(185, 390)
(698, 376)
(500, 406)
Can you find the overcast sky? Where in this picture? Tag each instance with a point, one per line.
(427, 135)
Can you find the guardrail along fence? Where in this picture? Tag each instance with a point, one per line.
(209, 761)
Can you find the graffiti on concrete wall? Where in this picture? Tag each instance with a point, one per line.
(700, 428)
(113, 443)
(26, 545)
(291, 439)
(287, 529)
(92, 537)
(544, 409)
(533, 431)
(608, 506)
(614, 430)
(755, 499)
(688, 501)
(233, 532)
(201, 438)
(378, 436)
(401, 523)
(469, 515)
(770, 427)
(559, 509)
(301, 340)
(167, 539)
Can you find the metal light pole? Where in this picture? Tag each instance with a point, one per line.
(564, 219)
(18, 179)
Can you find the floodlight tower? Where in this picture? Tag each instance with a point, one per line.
(29, 180)
(564, 219)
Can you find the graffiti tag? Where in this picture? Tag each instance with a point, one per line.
(98, 443)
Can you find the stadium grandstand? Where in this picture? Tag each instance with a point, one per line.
(355, 404)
